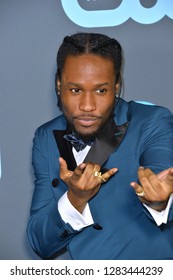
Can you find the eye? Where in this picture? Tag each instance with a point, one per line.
(75, 90)
(101, 90)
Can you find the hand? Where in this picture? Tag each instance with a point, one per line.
(154, 190)
(82, 182)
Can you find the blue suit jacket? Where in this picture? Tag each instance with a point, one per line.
(123, 228)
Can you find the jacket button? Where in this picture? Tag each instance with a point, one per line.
(97, 226)
(55, 182)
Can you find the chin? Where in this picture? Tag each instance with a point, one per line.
(86, 135)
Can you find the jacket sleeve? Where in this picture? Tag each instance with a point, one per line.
(157, 147)
(46, 231)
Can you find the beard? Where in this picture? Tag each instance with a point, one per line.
(92, 135)
(84, 136)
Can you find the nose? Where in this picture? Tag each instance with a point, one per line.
(87, 102)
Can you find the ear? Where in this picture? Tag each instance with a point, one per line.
(117, 89)
(117, 86)
(59, 86)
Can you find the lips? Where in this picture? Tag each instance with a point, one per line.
(86, 121)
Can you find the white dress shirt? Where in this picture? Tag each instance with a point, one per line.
(77, 220)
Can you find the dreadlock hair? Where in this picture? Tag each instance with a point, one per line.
(89, 43)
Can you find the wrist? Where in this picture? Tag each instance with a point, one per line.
(158, 205)
(77, 203)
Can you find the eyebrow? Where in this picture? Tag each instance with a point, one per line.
(80, 85)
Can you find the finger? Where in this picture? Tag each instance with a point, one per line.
(148, 180)
(92, 172)
(169, 178)
(144, 189)
(163, 174)
(91, 168)
(136, 187)
(64, 172)
(79, 170)
(155, 181)
(154, 189)
(106, 176)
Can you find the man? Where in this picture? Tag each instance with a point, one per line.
(104, 175)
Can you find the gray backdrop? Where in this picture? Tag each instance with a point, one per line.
(30, 33)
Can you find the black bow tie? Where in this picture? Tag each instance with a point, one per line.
(77, 143)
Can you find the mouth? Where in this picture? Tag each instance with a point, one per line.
(86, 121)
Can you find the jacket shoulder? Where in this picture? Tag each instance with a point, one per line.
(132, 110)
(58, 123)
(144, 111)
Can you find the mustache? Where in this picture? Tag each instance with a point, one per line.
(87, 116)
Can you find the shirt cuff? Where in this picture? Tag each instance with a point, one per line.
(160, 217)
(70, 215)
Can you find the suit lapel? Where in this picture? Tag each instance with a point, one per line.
(65, 149)
(106, 143)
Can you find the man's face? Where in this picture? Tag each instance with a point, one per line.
(87, 91)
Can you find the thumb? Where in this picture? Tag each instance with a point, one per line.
(169, 178)
(163, 175)
(64, 172)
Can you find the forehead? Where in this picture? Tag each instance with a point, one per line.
(88, 65)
